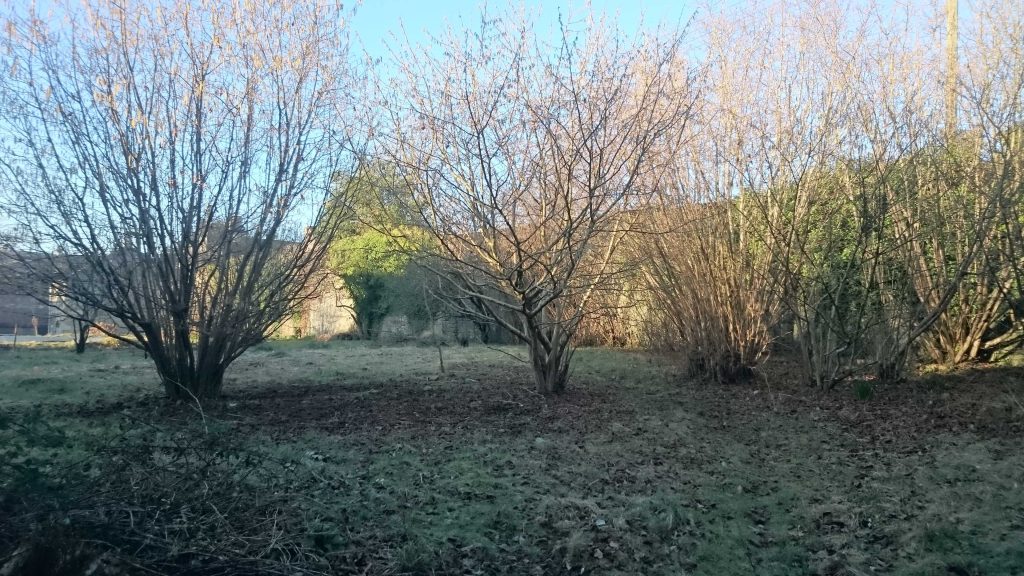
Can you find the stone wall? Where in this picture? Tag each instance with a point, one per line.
(17, 312)
(326, 315)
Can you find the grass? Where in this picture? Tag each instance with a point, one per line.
(353, 458)
(54, 374)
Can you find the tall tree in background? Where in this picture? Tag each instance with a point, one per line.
(182, 156)
(524, 155)
(373, 252)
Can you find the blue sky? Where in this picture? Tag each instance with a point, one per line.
(376, 20)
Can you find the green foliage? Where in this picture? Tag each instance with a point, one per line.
(823, 239)
(863, 389)
(24, 465)
(374, 253)
(878, 260)
(369, 268)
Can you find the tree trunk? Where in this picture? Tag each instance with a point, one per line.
(195, 385)
(188, 375)
(550, 356)
(80, 332)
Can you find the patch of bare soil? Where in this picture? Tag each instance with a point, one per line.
(983, 400)
(497, 402)
(986, 401)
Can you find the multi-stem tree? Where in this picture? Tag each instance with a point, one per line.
(980, 169)
(886, 230)
(182, 157)
(776, 142)
(527, 156)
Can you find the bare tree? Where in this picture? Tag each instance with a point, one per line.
(181, 157)
(777, 143)
(82, 317)
(710, 289)
(888, 229)
(949, 202)
(987, 315)
(527, 159)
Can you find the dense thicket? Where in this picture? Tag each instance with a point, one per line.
(832, 200)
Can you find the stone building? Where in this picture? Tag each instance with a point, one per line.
(23, 306)
(326, 315)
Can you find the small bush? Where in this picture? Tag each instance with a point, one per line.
(863, 389)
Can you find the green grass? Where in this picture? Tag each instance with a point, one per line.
(367, 459)
(52, 374)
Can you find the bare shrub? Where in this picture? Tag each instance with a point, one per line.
(184, 159)
(525, 158)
